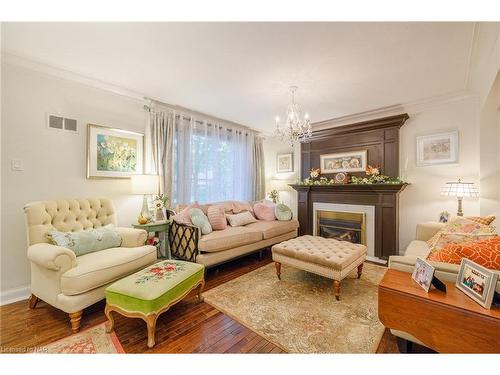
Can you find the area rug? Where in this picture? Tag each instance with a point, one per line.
(300, 313)
(93, 340)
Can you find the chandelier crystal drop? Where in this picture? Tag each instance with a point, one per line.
(297, 128)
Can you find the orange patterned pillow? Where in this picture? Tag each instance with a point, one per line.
(486, 220)
(486, 253)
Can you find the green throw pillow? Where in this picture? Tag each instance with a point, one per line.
(200, 220)
(87, 241)
(283, 212)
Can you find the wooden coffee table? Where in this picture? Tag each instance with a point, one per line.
(446, 323)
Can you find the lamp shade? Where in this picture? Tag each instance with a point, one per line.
(460, 189)
(280, 185)
(145, 184)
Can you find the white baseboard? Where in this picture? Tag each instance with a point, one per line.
(14, 295)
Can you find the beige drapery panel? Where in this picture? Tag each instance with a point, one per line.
(259, 182)
(162, 131)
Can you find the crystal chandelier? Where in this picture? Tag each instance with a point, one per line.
(297, 127)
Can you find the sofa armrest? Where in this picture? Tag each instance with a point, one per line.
(132, 237)
(444, 271)
(183, 240)
(52, 257)
(426, 230)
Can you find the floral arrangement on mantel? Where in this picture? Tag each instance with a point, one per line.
(373, 177)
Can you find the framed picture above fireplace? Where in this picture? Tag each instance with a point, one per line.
(352, 161)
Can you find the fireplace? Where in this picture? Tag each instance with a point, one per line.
(342, 226)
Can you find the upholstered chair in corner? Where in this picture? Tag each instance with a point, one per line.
(72, 283)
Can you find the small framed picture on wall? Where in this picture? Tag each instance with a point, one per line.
(436, 149)
(284, 163)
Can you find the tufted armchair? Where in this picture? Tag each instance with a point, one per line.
(72, 283)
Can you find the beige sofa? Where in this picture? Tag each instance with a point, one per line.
(72, 283)
(419, 248)
(187, 242)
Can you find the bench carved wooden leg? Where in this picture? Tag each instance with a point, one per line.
(75, 319)
(200, 290)
(33, 301)
(336, 289)
(111, 321)
(151, 323)
(278, 269)
(360, 270)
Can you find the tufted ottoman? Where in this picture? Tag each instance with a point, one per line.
(323, 256)
(148, 293)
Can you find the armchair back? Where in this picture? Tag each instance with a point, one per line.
(66, 215)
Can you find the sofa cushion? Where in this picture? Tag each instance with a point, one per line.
(485, 253)
(264, 211)
(228, 238)
(217, 217)
(418, 248)
(102, 267)
(87, 241)
(275, 228)
(241, 219)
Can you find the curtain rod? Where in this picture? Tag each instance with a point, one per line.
(189, 118)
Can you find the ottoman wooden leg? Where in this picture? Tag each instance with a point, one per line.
(278, 269)
(336, 289)
(360, 269)
(200, 289)
(111, 322)
(151, 323)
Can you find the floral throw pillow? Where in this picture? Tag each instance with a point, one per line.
(459, 225)
(486, 253)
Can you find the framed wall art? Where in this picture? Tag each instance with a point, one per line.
(353, 161)
(284, 163)
(436, 149)
(113, 153)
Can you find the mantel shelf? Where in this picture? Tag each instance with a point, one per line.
(364, 188)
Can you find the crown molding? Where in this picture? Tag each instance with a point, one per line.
(411, 108)
(42, 67)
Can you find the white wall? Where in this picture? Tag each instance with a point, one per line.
(490, 151)
(272, 147)
(54, 162)
(421, 201)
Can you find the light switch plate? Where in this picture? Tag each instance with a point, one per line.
(17, 165)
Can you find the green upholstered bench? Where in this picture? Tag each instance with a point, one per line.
(148, 293)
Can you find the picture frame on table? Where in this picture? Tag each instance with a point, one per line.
(435, 149)
(352, 161)
(423, 274)
(113, 152)
(477, 282)
(284, 163)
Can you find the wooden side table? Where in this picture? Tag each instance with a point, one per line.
(446, 323)
(161, 230)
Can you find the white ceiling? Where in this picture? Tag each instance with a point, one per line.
(241, 71)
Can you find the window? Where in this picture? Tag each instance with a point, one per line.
(211, 163)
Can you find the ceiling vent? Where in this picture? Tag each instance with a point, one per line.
(58, 122)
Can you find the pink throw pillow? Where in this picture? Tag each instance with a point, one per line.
(217, 217)
(183, 216)
(264, 211)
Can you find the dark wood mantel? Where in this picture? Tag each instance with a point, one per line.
(384, 197)
(380, 138)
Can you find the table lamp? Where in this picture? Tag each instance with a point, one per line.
(145, 184)
(460, 190)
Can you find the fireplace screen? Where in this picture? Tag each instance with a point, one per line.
(343, 226)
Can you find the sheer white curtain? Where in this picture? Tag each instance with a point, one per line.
(213, 161)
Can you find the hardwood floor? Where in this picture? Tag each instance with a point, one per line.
(188, 327)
